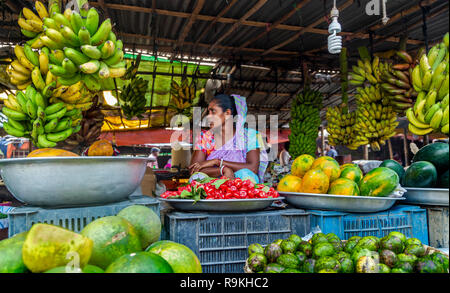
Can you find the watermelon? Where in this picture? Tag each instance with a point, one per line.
(145, 221)
(64, 270)
(139, 262)
(394, 165)
(113, 237)
(48, 246)
(379, 182)
(436, 153)
(443, 180)
(179, 256)
(420, 174)
(90, 269)
(11, 254)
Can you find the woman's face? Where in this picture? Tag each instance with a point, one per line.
(216, 116)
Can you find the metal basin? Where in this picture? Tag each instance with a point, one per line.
(341, 203)
(220, 205)
(427, 196)
(72, 181)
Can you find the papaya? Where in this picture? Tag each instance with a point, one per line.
(301, 165)
(101, 148)
(328, 165)
(48, 246)
(51, 152)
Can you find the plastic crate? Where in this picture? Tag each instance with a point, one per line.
(22, 218)
(221, 240)
(438, 226)
(409, 220)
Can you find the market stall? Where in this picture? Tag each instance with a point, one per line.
(80, 79)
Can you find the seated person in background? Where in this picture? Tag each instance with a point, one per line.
(241, 156)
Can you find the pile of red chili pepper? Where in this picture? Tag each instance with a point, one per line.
(222, 188)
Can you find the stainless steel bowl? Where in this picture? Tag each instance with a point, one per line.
(72, 181)
(427, 196)
(341, 203)
(220, 205)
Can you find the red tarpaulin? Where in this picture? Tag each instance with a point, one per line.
(162, 135)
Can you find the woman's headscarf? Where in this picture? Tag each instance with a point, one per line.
(242, 135)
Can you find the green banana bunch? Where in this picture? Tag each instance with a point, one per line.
(431, 79)
(305, 122)
(182, 96)
(132, 69)
(132, 99)
(366, 69)
(30, 115)
(340, 127)
(82, 48)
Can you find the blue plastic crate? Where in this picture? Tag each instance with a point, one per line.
(22, 218)
(409, 220)
(221, 240)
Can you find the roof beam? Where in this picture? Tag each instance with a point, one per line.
(191, 21)
(216, 19)
(401, 14)
(102, 5)
(275, 24)
(249, 13)
(304, 30)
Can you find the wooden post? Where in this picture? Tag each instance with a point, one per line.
(391, 155)
(405, 146)
(426, 140)
(323, 139)
(366, 152)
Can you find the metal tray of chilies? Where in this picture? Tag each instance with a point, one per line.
(427, 196)
(221, 205)
(340, 203)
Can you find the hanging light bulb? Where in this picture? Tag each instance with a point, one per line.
(334, 41)
(385, 19)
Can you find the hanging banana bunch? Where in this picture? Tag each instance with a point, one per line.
(132, 99)
(430, 78)
(182, 96)
(305, 122)
(340, 128)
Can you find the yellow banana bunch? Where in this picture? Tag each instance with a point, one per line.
(340, 127)
(182, 96)
(431, 79)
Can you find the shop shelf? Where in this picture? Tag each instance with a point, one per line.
(438, 226)
(409, 220)
(221, 240)
(22, 218)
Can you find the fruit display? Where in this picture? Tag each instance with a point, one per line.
(430, 79)
(326, 253)
(182, 96)
(132, 98)
(32, 116)
(305, 122)
(324, 176)
(125, 243)
(221, 188)
(429, 168)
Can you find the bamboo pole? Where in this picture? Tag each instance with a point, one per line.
(391, 155)
(366, 152)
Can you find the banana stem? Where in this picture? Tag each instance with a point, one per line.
(344, 78)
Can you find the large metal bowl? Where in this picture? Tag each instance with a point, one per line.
(427, 196)
(341, 203)
(220, 205)
(72, 181)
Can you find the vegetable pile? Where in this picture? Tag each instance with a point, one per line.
(222, 188)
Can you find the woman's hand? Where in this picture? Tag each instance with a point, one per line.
(197, 166)
(228, 172)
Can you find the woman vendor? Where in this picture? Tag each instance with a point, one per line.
(241, 155)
